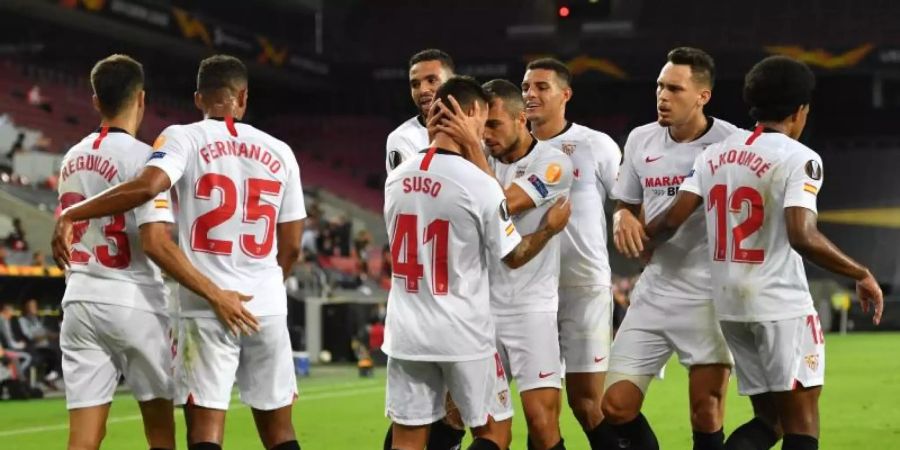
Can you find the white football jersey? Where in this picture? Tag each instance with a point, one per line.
(746, 182)
(651, 174)
(446, 220)
(108, 264)
(405, 141)
(595, 160)
(544, 173)
(234, 184)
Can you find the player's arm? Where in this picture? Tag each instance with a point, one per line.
(801, 192)
(159, 247)
(628, 229)
(810, 243)
(289, 234)
(116, 200)
(664, 225)
(546, 178)
(689, 198)
(554, 221)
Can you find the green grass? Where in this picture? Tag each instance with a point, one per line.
(337, 410)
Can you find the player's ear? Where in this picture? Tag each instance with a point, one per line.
(705, 96)
(96, 102)
(243, 94)
(198, 100)
(141, 99)
(567, 93)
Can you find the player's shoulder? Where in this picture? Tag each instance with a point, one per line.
(645, 132)
(271, 141)
(798, 150)
(597, 139)
(181, 129)
(721, 129)
(411, 125)
(82, 145)
(546, 152)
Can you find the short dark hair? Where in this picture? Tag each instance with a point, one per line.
(464, 89)
(703, 67)
(508, 92)
(561, 69)
(776, 86)
(221, 72)
(115, 79)
(433, 54)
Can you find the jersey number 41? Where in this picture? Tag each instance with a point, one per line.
(405, 245)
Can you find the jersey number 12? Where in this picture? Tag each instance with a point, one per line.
(741, 197)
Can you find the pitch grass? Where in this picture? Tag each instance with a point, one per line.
(860, 409)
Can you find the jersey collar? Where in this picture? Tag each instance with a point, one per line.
(111, 130)
(561, 132)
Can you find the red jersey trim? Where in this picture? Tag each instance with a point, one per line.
(426, 161)
(756, 133)
(103, 132)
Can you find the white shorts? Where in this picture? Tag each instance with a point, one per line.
(529, 348)
(210, 359)
(101, 342)
(777, 356)
(652, 330)
(585, 328)
(417, 391)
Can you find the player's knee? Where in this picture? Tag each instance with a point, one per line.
(621, 402)
(273, 439)
(84, 443)
(801, 423)
(706, 414)
(586, 410)
(541, 419)
(87, 441)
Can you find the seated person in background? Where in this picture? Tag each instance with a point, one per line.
(40, 340)
(16, 363)
(6, 327)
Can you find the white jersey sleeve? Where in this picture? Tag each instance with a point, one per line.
(692, 182)
(608, 159)
(804, 181)
(292, 204)
(171, 152)
(628, 183)
(157, 210)
(403, 143)
(502, 236)
(547, 177)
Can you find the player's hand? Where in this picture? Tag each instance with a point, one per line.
(556, 218)
(628, 234)
(466, 129)
(61, 242)
(229, 308)
(870, 297)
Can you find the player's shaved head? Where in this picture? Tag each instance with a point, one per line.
(465, 90)
(703, 68)
(509, 93)
(776, 87)
(116, 80)
(221, 72)
(560, 68)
